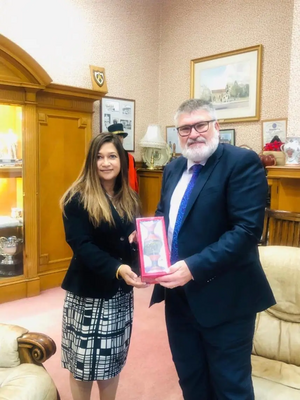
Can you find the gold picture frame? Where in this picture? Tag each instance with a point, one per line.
(231, 81)
(227, 136)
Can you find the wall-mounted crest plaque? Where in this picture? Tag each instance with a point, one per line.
(98, 78)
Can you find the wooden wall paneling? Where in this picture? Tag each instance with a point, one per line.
(63, 138)
(149, 190)
(13, 289)
(56, 131)
(30, 188)
(285, 187)
(52, 278)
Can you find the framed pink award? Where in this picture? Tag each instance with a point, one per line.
(153, 248)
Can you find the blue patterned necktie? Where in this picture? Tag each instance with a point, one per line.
(174, 251)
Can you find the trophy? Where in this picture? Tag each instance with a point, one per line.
(8, 248)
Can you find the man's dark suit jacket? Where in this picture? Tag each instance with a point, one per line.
(219, 235)
(97, 253)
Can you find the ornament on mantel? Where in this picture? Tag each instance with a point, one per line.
(273, 149)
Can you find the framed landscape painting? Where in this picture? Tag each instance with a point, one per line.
(231, 81)
(227, 136)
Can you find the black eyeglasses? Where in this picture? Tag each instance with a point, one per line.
(200, 127)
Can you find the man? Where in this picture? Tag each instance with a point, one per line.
(132, 175)
(216, 284)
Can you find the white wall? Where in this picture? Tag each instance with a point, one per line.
(194, 29)
(66, 36)
(146, 46)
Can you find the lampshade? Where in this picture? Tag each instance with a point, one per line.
(156, 152)
(153, 138)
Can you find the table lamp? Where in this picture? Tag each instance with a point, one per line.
(155, 151)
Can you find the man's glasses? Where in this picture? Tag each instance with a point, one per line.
(200, 127)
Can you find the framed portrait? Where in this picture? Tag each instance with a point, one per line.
(231, 81)
(173, 140)
(116, 110)
(153, 248)
(227, 136)
(272, 128)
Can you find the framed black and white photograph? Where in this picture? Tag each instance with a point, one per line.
(231, 81)
(227, 136)
(122, 111)
(173, 140)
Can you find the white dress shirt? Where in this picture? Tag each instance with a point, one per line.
(177, 197)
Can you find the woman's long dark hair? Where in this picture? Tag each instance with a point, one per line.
(90, 190)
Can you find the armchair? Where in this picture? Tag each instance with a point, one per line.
(276, 346)
(22, 375)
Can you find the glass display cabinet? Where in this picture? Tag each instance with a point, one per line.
(11, 191)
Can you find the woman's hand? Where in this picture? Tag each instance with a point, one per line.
(132, 238)
(130, 277)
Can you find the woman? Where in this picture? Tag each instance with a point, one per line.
(99, 210)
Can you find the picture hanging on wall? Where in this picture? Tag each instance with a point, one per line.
(227, 136)
(121, 111)
(231, 81)
(274, 129)
(173, 140)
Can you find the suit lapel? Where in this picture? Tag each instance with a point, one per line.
(202, 179)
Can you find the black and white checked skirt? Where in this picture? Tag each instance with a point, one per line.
(96, 335)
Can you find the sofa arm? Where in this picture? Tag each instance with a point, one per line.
(35, 348)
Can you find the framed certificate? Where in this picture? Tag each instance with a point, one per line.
(153, 248)
(272, 128)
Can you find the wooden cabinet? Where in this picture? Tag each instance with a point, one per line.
(284, 182)
(149, 190)
(52, 126)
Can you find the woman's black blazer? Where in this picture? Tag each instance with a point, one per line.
(97, 252)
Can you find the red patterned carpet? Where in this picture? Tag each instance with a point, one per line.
(149, 373)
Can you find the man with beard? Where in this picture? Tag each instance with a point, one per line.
(213, 201)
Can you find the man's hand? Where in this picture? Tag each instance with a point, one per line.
(130, 277)
(178, 275)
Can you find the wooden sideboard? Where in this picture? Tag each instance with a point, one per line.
(149, 189)
(284, 182)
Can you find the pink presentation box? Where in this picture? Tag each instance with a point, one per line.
(153, 248)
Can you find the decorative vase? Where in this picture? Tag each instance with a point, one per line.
(267, 160)
(291, 151)
(279, 156)
(152, 246)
